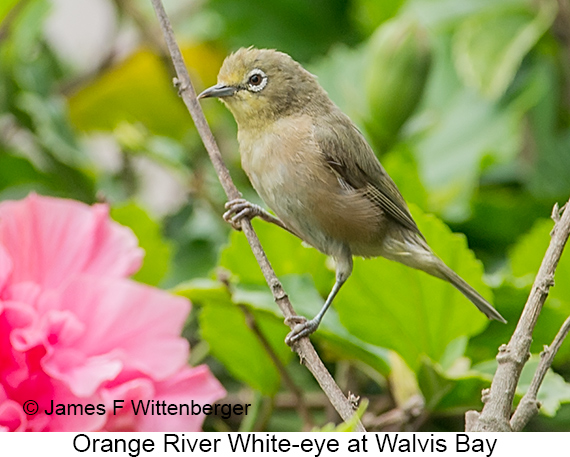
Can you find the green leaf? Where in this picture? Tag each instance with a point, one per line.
(553, 392)
(290, 258)
(232, 342)
(286, 253)
(300, 28)
(489, 47)
(527, 255)
(158, 251)
(446, 136)
(550, 132)
(336, 342)
(369, 13)
(52, 128)
(396, 307)
(449, 394)
(18, 177)
(443, 14)
(137, 90)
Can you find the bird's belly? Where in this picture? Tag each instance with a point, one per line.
(321, 214)
(293, 200)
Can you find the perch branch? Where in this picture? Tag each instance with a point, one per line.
(529, 405)
(304, 348)
(496, 413)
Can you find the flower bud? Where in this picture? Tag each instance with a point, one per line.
(399, 60)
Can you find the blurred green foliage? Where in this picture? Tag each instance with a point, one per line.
(467, 104)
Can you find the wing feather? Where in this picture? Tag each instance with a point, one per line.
(363, 172)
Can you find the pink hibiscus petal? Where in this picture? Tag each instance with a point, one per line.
(25, 292)
(13, 366)
(12, 417)
(139, 324)
(115, 250)
(83, 375)
(189, 384)
(55, 328)
(120, 399)
(6, 266)
(51, 239)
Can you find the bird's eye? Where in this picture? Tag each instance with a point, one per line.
(257, 80)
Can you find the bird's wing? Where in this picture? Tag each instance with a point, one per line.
(364, 172)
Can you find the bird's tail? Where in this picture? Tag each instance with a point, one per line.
(416, 253)
(475, 297)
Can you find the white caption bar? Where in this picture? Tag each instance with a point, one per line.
(286, 444)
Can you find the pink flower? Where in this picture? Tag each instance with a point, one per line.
(75, 330)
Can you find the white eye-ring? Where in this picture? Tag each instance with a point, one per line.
(256, 80)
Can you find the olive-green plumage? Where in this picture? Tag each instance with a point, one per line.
(311, 165)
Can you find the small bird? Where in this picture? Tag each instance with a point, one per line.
(314, 169)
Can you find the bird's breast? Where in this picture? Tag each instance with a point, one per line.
(287, 169)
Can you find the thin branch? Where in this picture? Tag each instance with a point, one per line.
(496, 413)
(529, 405)
(304, 348)
(297, 393)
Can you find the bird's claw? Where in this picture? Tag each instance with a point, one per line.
(302, 328)
(239, 209)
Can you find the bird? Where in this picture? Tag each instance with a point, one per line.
(312, 166)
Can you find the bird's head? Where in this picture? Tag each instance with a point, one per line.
(261, 85)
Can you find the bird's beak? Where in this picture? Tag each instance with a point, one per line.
(219, 90)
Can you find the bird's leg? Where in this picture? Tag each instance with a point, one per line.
(240, 208)
(305, 327)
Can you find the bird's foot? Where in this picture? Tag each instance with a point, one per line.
(303, 327)
(238, 209)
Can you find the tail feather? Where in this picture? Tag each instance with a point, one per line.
(416, 253)
(475, 297)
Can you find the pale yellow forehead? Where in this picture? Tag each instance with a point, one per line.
(239, 64)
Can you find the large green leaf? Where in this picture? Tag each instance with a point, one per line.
(223, 325)
(396, 307)
(337, 343)
(291, 259)
(286, 253)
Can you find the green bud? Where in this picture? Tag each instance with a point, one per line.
(399, 60)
